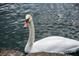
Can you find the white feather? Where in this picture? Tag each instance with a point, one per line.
(55, 44)
(50, 44)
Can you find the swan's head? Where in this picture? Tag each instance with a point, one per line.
(28, 19)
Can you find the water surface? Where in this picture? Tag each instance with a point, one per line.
(49, 19)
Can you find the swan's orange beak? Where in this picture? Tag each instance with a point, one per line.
(26, 23)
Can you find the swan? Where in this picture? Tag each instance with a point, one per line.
(49, 44)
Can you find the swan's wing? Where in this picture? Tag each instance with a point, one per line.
(55, 44)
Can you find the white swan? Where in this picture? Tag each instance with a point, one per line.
(50, 44)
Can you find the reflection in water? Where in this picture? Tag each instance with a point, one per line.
(49, 19)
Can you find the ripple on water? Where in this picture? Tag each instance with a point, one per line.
(49, 19)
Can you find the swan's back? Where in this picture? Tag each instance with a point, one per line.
(55, 44)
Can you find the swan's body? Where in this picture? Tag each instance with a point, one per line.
(55, 44)
(49, 44)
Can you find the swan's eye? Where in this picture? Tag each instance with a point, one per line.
(27, 20)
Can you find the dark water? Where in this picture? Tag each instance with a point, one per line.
(49, 19)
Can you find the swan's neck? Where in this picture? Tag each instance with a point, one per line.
(31, 37)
